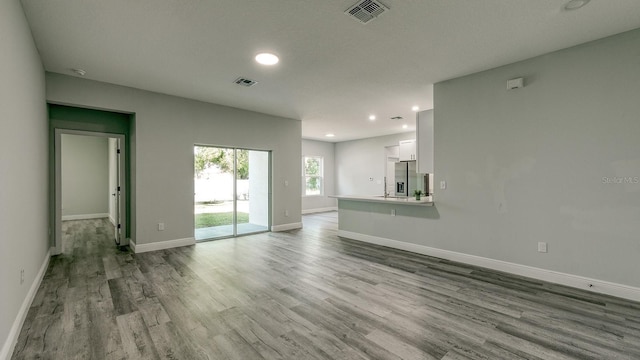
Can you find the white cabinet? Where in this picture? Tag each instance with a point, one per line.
(408, 150)
(424, 135)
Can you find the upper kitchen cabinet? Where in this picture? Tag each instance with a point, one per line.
(424, 142)
(408, 150)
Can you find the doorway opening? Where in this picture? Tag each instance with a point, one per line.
(232, 192)
(89, 189)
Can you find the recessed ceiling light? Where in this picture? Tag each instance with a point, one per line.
(405, 126)
(330, 135)
(267, 59)
(372, 117)
(79, 72)
(415, 108)
(576, 4)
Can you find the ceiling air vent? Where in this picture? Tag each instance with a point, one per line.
(366, 10)
(397, 118)
(245, 82)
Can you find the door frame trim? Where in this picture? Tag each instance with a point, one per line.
(58, 246)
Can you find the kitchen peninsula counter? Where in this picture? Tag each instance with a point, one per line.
(392, 222)
(411, 201)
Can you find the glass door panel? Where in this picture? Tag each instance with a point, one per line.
(253, 187)
(214, 192)
(232, 195)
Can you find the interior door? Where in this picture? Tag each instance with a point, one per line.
(118, 195)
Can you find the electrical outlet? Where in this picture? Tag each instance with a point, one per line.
(286, 183)
(443, 185)
(286, 213)
(21, 276)
(393, 212)
(542, 247)
(160, 226)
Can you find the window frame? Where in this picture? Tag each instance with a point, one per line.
(305, 176)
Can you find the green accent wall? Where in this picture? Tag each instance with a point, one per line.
(100, 121)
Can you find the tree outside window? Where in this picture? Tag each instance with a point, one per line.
(313, 172)
(207, 157)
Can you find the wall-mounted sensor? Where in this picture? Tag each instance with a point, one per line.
(515, 83)
(79, 72)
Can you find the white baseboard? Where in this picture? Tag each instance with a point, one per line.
(85, 216)
(319, 210)
(575, 281)
(112, 220)
(285, 227)
(53, 251)
(161, 245)
(12, 339)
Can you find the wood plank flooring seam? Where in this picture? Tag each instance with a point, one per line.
(307, 294)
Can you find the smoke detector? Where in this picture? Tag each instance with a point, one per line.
(245, 82)
(366, 10)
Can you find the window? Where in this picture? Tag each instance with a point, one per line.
(312, 172)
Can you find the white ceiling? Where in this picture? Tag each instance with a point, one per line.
(334, 71)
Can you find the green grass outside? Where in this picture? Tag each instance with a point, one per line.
(216, 219)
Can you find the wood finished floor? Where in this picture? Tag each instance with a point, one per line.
(307, 294)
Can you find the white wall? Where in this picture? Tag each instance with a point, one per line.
(24, 241)
(85, 176)
(547, 162)
(359, 160)
(312, 204)
(528, 165)
(166, 129)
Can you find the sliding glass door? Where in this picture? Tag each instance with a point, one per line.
(232, 192)
(254, 192)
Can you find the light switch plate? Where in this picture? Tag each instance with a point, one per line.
(443, 185)
(542, 247)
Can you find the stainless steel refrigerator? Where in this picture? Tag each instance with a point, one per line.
(406, 178)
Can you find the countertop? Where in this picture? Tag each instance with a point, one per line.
(424, 201)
